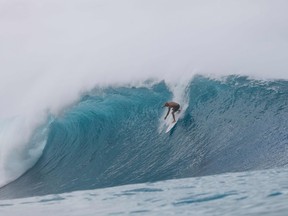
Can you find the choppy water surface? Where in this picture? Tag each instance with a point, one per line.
(245, 193)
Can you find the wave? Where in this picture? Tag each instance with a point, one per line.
(114, 135)
(21, 145)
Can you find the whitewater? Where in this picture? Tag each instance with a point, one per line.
(82, 129)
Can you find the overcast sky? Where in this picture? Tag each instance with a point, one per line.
(50, 50)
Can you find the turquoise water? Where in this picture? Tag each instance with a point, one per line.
(108, 154)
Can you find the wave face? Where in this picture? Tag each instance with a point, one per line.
(111, 136)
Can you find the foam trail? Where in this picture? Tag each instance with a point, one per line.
(180, 95)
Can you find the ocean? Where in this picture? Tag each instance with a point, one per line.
(82, 89)
(246, 193)
(111, 148)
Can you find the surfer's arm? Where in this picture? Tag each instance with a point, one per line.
(167, 112)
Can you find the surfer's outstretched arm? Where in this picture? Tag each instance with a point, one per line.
(167, 112)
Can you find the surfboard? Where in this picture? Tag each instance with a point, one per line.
(170, 126)
(169, 123)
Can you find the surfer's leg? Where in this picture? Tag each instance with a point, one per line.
(173, 116)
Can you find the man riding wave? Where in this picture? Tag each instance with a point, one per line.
(175, 107)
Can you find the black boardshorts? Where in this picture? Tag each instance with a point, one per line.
(176, 108)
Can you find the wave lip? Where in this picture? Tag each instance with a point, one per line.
(20, 147)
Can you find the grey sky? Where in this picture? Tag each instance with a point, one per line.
(52, 49)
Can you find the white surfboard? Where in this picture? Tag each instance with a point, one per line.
(169, 122)
(170, 126)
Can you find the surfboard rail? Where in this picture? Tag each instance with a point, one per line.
(170, 126)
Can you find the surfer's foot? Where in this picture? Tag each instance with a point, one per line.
(174, 121)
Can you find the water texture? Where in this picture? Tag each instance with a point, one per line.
(113, 136)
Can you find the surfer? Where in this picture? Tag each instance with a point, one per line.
(175, 107)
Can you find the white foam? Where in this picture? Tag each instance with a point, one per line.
(19, 149)
(180, 95)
